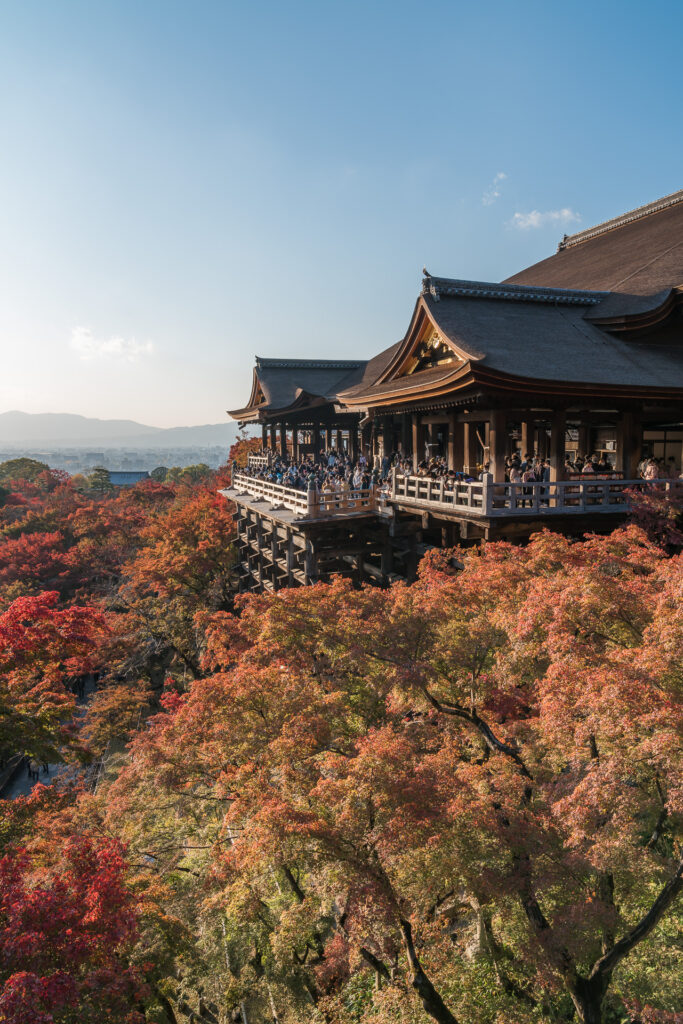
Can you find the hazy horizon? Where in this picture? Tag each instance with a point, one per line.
(109, 419)
(188, 186)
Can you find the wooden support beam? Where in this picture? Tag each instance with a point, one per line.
(259, 541)
(405, 435)
(471, 447)
(542, 440)
(558, 427)
(629, 444)
(456, 443)
(418, 440)
(310, 562)
(526, 437)
(498, 444)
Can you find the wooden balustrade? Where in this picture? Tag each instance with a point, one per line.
(310, 503)
(492, 499)
(479, 498)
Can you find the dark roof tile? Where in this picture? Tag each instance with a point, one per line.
(640, 253)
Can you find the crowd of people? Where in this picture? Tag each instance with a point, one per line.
(332, 471)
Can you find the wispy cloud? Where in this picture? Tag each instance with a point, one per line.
(536, 219)
(84, 342)
(493, 191)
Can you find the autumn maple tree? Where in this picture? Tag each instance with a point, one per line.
(468, 784)
(458, 800)
(43, 647)
(63, 935)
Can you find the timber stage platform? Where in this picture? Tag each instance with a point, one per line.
(288, 537)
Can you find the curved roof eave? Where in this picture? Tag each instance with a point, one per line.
(421, 310)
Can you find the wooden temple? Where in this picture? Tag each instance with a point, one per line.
(581, 353)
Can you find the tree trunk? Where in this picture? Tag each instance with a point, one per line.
(588, 996)
(431, 1000)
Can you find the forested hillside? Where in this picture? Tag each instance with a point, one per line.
(457, 801)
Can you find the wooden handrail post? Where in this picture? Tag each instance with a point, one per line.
(312, 502)
(487, 493)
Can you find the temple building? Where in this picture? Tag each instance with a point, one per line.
(580, 353)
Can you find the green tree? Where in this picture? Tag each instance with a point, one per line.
(99, 480)
(21, 469)
(196, 473)
(159, 474)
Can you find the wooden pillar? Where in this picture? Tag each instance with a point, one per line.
(310, 562)
(264, 436)
(274, 556)
(291, 558)
(418, 441)
(456, 443)
(273, 441)
(452, 428)
(386, 437)
(339, 440)
(584, 440)
(526, 434)
(405, 435)
(353, 442)
(365, 436)
(283, 439)
(259, 542)
(316, 442)
(497, 445)
(629, 444)
(541, 440)
(471, 447)
(558, 426)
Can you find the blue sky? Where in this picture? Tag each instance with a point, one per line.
(184, 185)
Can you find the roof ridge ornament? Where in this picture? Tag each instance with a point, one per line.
(445, 286)
(428, 285)
(619, 222)
(309, 364)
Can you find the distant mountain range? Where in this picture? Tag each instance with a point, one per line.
(65, 430)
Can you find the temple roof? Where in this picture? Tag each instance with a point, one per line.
(524, 333)
(286, 385)
(604, 314)
(639, 253)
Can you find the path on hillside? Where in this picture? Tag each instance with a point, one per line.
(21, 783)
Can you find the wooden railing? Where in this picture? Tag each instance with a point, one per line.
(310, 502)
(422, 490)
(563, 497)
(258, 461)
(480, 498)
